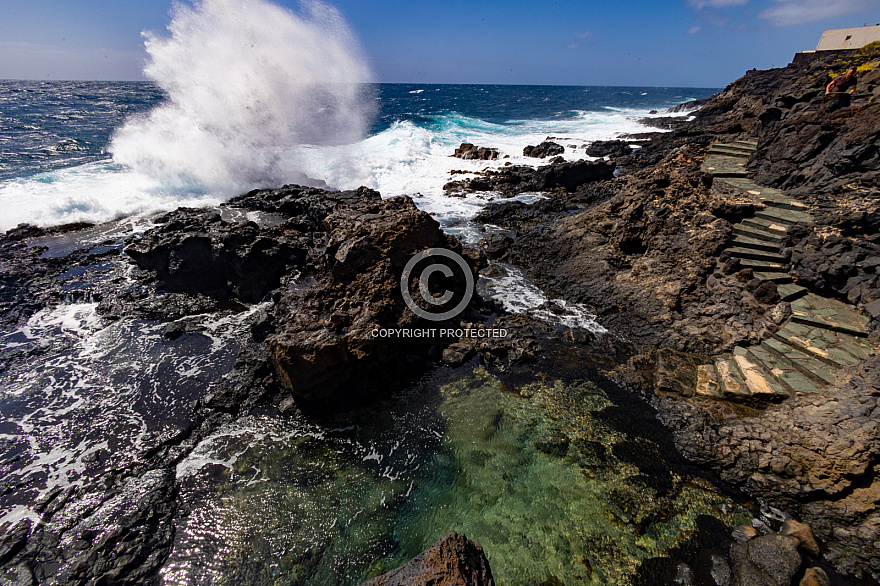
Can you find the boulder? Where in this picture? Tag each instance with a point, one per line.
(770, 560)
(609, 148)
(469, 151)
(804, 535)
(543, 150)
(325, 334)
(452, 561)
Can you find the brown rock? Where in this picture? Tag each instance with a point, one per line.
(452, 561)
(815, 577)
(744, 533)
(803, 533)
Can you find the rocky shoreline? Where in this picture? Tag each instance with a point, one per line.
(309, 275)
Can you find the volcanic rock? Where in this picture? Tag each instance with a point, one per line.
(543, 150)
(452, 561)
(469, 151)
(609, 148)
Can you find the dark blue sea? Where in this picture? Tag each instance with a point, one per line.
(96, 151)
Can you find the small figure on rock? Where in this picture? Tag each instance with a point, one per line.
(843, 83)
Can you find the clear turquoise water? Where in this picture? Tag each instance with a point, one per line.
(543, 472)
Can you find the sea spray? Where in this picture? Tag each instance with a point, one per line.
(247, 83)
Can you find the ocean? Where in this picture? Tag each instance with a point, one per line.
(542, 476)
(81, 152)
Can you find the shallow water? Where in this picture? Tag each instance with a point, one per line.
(535, 469)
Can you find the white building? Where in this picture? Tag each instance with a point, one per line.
(848, 38)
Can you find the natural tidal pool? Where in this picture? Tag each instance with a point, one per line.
(562, 481)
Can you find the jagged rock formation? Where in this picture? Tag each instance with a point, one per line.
(516, 179)
(452, 561)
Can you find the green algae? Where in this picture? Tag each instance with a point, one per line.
(537, 471)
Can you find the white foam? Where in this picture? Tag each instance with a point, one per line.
(247, 83)
(519, 295)
(98, 192)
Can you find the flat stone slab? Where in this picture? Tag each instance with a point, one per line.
(743, 241)
(759, 382)
(829, 313)
(781, 216)
(770, 226)
(708, 383)
(763, 266)
(809, 365)
(835, 348)
(758, 234)
(784, 370)
(778, 278)
(790, 291)
(772, 257)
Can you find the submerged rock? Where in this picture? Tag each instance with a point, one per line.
(453, 561)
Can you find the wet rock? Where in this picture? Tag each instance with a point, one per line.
(804, 535)
(516, 179)
(815, 577)
(495, 246)
(469, 151)
(770, 560)
(609, 148)
(744, 533)
(195, 251)
(543, 150)
(452, 561)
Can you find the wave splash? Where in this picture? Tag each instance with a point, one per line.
(247, 83)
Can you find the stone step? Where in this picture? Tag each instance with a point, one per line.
(708, 382)
(753, 141)
(741, 183)
(732, 382)
(786, 371)
(730, 152)
(778, 278)
(784, 217)
(751, 254)
(758, 234)
(829, 314)
(732, 146)
(769, 226)
(790, 291)
(818, 371)
(784, 203)
(763, 266)
(746, 242)
(759, 381)
(833, 348)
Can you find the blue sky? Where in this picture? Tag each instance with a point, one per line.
(695, 43)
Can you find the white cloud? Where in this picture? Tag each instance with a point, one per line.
(702, 4)
(694, 30)
(579, 39)
(792, 12)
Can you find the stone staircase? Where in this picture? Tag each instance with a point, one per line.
(821, 336)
